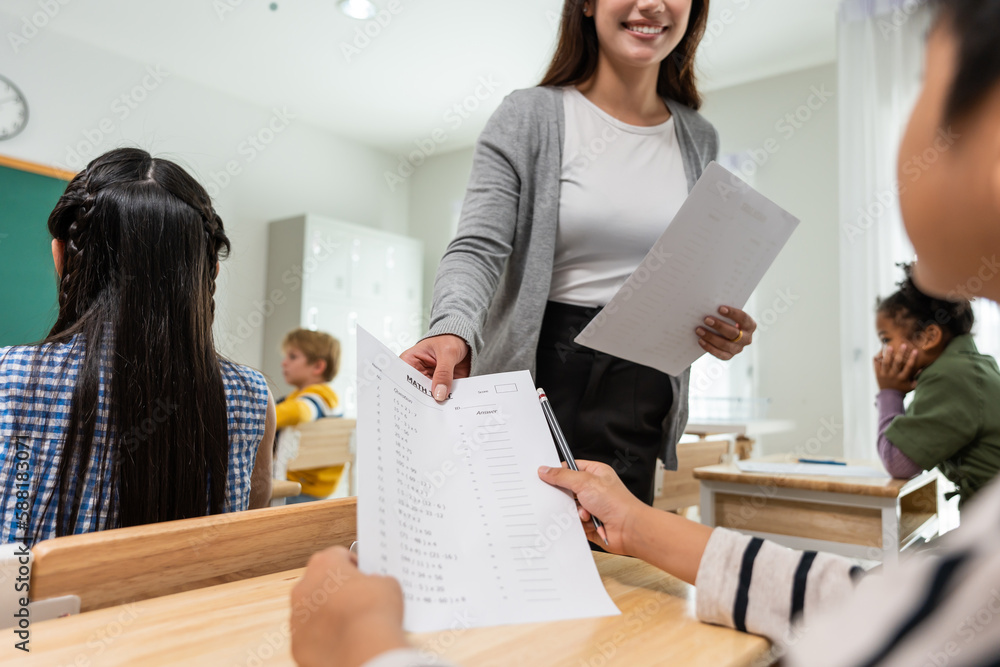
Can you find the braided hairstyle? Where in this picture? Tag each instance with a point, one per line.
(914, 311)
(142, 244)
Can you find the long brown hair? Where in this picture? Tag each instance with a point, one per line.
(575, 59)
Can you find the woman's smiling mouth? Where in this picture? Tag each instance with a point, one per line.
(647, 30)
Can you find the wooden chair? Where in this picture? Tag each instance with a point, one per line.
(324, 443)
(127, 564)
(283, 488)
(680, 488)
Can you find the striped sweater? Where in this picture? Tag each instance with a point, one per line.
(940, 608)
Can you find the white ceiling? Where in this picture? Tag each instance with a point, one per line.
(430, 56)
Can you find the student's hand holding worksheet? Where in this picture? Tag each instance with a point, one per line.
(670, 542)
(450, 504)
(600, 492)
(337, 610)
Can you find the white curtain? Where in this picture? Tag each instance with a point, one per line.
(880, 63)
(880, 56)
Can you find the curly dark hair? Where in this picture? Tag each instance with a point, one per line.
(915, 311)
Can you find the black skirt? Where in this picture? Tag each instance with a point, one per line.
(611, 410)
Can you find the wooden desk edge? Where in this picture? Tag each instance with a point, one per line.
(751, 647)
(863, 486)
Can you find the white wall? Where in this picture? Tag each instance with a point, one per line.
(75, 91)
(437, 189)
(798, 302)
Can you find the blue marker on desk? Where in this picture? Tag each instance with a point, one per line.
(563, 448)
(824, 462)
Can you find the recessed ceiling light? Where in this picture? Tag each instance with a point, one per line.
(358, 9)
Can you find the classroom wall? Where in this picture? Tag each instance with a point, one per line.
(437, 189)
(84, 101)
(76, 96)
(788, 124)
(798, 300)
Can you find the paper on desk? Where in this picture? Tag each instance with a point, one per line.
(824, 469)
(450, 503)
(713, 253)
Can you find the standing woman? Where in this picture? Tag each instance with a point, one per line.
(572, 183)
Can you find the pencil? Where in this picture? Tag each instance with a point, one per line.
(563, 448)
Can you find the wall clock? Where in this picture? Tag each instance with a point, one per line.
(13, 109)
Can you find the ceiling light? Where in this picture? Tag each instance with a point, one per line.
(358, 9)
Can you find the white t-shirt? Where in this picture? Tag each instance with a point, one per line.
(621, 185)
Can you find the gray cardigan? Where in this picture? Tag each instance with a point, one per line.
(493, 281)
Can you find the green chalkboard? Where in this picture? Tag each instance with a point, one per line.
(28, 300)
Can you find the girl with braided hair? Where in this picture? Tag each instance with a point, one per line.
(952, 422)
(126, 414)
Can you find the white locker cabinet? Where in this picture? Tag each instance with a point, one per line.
(329, 275)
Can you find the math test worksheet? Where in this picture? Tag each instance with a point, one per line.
(450, 503)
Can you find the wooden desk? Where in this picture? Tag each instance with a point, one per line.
(246, 622)
(678, 489)
(750, 428)
(859, 517)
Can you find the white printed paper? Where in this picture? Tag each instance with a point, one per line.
(450, 503)
(713, 253)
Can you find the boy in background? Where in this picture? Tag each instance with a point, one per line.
(311, 360)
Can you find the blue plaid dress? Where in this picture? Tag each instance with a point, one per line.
(33, 427)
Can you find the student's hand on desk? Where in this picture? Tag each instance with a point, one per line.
(599, 492)
(725, 337)
(441, 358)
(341, 616)
(895, 369)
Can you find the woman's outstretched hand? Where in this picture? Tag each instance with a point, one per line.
(442, 359)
